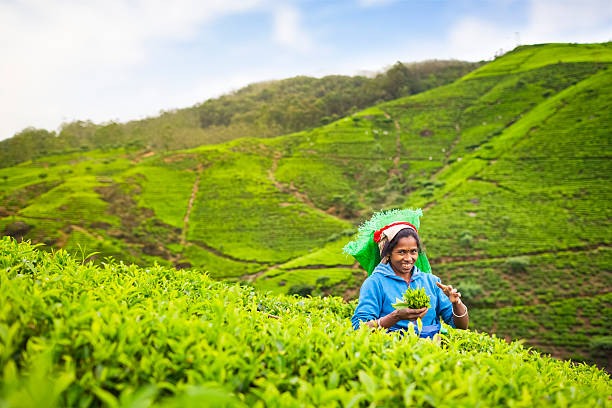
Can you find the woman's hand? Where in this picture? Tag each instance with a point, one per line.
(451, 292)
(411, 314)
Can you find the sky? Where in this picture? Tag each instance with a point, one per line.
(121, 60)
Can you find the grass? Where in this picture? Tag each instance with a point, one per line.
(239, 211)
(282, 281)
(166, 191)
(216, 266)
(73, 201)
(531, 57)
(565, 196)
(330, 254)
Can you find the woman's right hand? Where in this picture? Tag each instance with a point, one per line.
(411, 314)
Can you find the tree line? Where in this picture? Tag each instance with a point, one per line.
(264, 109)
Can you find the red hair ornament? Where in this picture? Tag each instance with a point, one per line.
(378, 234)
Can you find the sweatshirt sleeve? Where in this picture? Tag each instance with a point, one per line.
(370, 303)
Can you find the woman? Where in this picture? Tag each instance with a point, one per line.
(398, 247)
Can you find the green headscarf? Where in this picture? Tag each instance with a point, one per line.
(365, 250)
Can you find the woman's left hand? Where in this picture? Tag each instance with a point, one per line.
(453, 295)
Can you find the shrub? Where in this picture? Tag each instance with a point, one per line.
(322, 281)
(601, 345)
(470, 291)
(518, 264)
(302, 289)
(465, 239)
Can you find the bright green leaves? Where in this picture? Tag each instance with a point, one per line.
(412, 299)
(119, 335)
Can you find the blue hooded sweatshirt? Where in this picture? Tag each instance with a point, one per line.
(383, 287)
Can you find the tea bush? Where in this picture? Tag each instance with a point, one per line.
(119, 335)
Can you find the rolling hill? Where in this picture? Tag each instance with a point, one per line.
(264, 109)
(511, 165)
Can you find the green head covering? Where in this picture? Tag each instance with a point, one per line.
(366, 251)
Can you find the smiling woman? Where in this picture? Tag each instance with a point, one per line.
(399, 250)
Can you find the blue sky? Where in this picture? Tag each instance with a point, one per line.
(120, 60)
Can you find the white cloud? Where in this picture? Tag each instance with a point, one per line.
(569, 21)
(58, 54)
(288, 30)
(375, 3)
(474, 38)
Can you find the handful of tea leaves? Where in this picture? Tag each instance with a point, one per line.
(412, 299)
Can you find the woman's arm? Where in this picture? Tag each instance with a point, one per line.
(370, 303)
(460, 312)
(460, 315)
(395, 316)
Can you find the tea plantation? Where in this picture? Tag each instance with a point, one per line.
(511, 165)
(79, 334)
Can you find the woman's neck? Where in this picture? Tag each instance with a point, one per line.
(405, 276)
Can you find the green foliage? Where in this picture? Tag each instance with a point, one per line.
(217, 266)
(601, 345)
(568, 323)
(330, 255)
(466, 239)
(165, 190)
(526, 58)
(239, 211)
(73, 200)
(280, 281)
(301, 289)
(518, 264)
(87, 335)
(413, 299)
(470, 291)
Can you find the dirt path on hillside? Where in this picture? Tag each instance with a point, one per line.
(202, 245)
(194, 192)
(292, 190)
(252, 277)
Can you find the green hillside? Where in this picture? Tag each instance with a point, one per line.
(74, 334)
(263, 109)
(511, 165)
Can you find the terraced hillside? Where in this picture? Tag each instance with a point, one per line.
(511, 165)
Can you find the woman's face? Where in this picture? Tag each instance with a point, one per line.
(404, 255)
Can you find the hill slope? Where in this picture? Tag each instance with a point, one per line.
(259, 110)
(511, 165)
(76, 334)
